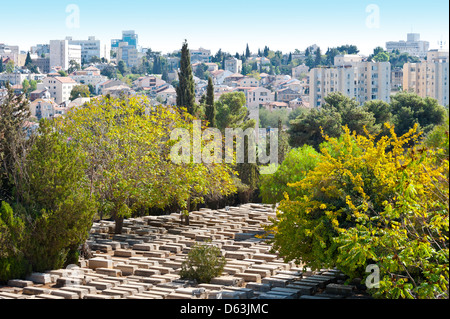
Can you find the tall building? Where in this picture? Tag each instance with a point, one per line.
(429, 78)
(128, 53)
(129, 37)
(364, 81)
(61, 53)
(89, 48)
(413, 46)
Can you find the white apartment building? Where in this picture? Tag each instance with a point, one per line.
(59, 87)
(90, 48)
(413, 46)
(61, 53)
(364, 81)
(347, 59)
(10, 51)
(200, 55)
(429, 78)
(233, 65)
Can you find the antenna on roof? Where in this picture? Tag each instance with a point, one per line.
(441, 43)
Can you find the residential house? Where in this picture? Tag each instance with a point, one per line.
(100, 87)
(286, 95)
(59, 87)
(233, 65)
(300, 71)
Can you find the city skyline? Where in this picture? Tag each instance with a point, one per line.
(229, 26)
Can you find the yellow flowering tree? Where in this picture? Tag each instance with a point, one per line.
(368, 201)
(127, 146)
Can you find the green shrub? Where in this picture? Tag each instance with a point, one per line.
(203, 263)
(293, 169)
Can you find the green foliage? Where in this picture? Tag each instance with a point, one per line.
(79, 91)
(270, 118)
(370, 202)
(298, 162)
(210, 108)
(203, 263)
(409, 109)
(186, 88)
(231, 110)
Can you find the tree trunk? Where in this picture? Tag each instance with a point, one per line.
(119, 224)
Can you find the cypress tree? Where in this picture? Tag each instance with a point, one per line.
(247, 52)
(1, 65)
(186, 87)
(210, 110)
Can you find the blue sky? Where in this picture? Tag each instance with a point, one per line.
(229, 24)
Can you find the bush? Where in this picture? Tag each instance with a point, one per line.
(293, 169)
(203, 263)
(373, 203)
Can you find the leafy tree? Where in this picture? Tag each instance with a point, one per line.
(409, 109)
(231, 110)
(381, 111)
(62, 73)
(348, 49)
(369, 202)
(381, 57)
(129, 164)
(308, 127)
(14, 112)
(186, 88)
(210, 109)
(73, 66)
(10, 67)
(79, 91)
(58, 200)
(122, 68)
(296, 165)
(109, 71)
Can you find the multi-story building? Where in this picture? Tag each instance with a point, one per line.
(429, 78)
(89, 48)
(413, 46)
(43, 64)
(10, 51)
(59, 87)
(299, 71)
(90, 75)
(200, 55)
(129, 37)
(233, 65)
(41, 50)
(62, 52)
(128, 53)
(396, 79)
(364, 81)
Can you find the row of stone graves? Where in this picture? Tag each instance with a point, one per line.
(143, 262)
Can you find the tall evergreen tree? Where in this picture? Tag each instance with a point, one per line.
(210, 109)
(1, 65)
(247, 52)
(318, 60)
(186, 86)
(28, 60)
